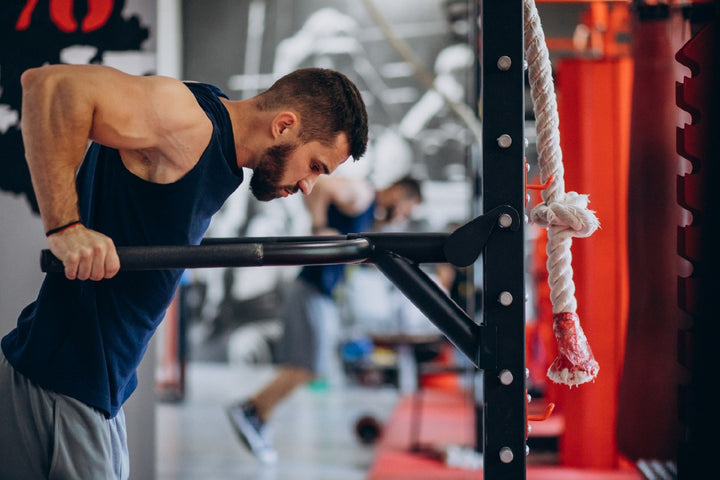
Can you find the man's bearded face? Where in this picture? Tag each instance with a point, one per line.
(265, 181)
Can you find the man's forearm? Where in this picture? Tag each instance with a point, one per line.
(55, 128)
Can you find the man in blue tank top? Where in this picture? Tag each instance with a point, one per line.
(337, 206)
(119, 160)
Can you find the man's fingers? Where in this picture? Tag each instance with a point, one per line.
(112, 262)
(97, 271)
(85, 265)
(86, 254)
(71, 266)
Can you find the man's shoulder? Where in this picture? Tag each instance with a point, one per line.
(205, 88)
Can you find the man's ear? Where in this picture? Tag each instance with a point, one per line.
(284, 123)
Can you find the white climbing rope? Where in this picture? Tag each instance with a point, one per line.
(564, 214)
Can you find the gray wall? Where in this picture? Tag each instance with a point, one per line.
(21, 238)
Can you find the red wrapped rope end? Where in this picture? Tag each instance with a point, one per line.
(575, 363)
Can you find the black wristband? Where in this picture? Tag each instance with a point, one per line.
(61, 228)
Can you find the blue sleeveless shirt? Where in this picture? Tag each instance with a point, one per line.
(326, 277)
(85, 339)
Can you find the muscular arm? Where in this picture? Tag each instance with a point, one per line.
(64, 107)
(56, 129)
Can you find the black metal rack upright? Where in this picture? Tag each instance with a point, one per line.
(502, 348)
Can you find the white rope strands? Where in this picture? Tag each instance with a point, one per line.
(564, 214)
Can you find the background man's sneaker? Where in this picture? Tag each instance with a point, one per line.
(252, 431)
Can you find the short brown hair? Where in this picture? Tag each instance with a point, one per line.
(328, 104)
(411, 187)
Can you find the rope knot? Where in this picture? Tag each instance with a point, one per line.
(569, 211)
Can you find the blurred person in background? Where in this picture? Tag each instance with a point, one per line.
(311, 320)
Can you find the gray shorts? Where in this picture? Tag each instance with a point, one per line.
(311, 324)
(45, 435)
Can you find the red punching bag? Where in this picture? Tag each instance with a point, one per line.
(648, 425)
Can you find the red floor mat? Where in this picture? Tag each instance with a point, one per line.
(447, 418)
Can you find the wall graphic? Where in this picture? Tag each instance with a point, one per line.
(37, 32)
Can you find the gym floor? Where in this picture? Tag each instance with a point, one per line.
(313, 430)
(314, 433)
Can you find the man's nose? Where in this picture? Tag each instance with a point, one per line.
(306, 184)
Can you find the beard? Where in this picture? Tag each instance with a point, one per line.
(265, 181)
